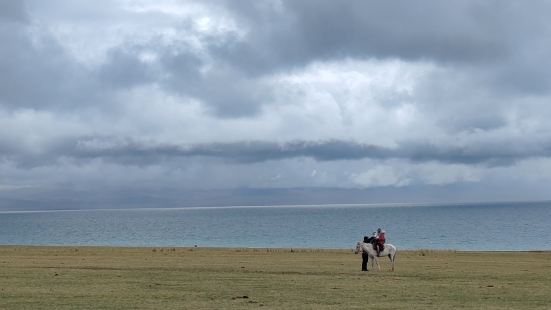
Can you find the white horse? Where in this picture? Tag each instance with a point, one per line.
(389, 251)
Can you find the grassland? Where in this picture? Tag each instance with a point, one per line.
(202, 278)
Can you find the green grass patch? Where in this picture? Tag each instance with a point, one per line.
(207, 278)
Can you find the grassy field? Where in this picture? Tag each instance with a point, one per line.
(202, 278)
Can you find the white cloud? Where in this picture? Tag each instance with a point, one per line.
(381, 175)
(442, 174)
(363, 100)
(89, 29)
(400, 173)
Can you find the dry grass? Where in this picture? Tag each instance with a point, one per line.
(201, 278)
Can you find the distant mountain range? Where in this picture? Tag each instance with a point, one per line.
(30, 199)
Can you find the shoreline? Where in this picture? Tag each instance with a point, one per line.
(256, 249)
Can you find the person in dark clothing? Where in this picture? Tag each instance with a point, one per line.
(365, 255)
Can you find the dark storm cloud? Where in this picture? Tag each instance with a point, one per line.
(132, 152)
(177, 67)
(253, 151)
(224, 89)
(13, 11)
(325, 151)
(503, 43)
(36, 72)
(124, 69)
(499, 47)
(451, 31)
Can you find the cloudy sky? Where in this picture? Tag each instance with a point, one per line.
(450, 99)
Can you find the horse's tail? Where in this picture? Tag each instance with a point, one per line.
(392, 255)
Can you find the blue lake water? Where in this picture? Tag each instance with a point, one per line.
(485, 226)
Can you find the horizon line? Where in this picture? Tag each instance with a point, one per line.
(327, 205)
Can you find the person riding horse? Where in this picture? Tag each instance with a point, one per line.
(379, 241)
(368, 252)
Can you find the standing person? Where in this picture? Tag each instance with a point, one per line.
(363, 248)
(380, 239)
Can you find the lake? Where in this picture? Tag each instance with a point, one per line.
(482, 226)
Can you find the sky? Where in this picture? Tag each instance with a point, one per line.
(273, 101)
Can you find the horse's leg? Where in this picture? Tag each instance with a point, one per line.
(377, 262)
(392, 257)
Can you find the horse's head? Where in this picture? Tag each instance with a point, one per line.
(357, 247)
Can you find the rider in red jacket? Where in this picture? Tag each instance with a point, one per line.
(380, 238)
